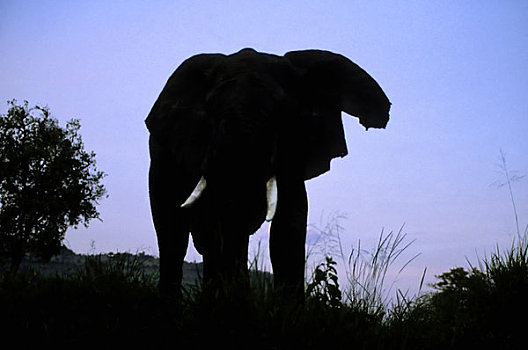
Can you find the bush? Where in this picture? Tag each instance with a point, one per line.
(485, 305)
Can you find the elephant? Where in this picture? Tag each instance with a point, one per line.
(233, 138)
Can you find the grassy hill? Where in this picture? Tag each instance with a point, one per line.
(113, 300)
(68, 263)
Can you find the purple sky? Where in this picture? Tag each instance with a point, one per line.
(457, 75)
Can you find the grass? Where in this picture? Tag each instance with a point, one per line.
(103, 300)
(365, 271)
(115, 302)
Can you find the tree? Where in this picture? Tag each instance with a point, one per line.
(48, 182)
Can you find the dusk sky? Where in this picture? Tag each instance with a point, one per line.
(456, 73)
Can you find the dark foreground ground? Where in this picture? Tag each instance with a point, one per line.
(113, 301)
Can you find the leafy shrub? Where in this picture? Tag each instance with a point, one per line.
(485, 305)
(324, 286)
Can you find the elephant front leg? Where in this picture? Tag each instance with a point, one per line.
(173, 239)
(172, 250)
(288, 236)
(171, 224)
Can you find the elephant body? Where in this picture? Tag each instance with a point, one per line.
(231, 123)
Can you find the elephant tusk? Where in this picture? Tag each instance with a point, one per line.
(271, 196)
(196, 193)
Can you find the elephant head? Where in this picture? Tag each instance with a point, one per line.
(234, 137)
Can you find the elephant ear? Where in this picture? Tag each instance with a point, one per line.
(338, 80)
(180, 107)
(331, 83)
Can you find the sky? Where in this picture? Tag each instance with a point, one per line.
(455, 72)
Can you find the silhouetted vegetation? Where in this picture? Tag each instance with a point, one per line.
(48, 182)
(114, 298)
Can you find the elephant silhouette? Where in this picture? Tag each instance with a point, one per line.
(233, 139)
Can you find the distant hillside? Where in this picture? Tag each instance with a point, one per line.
(68, 262)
